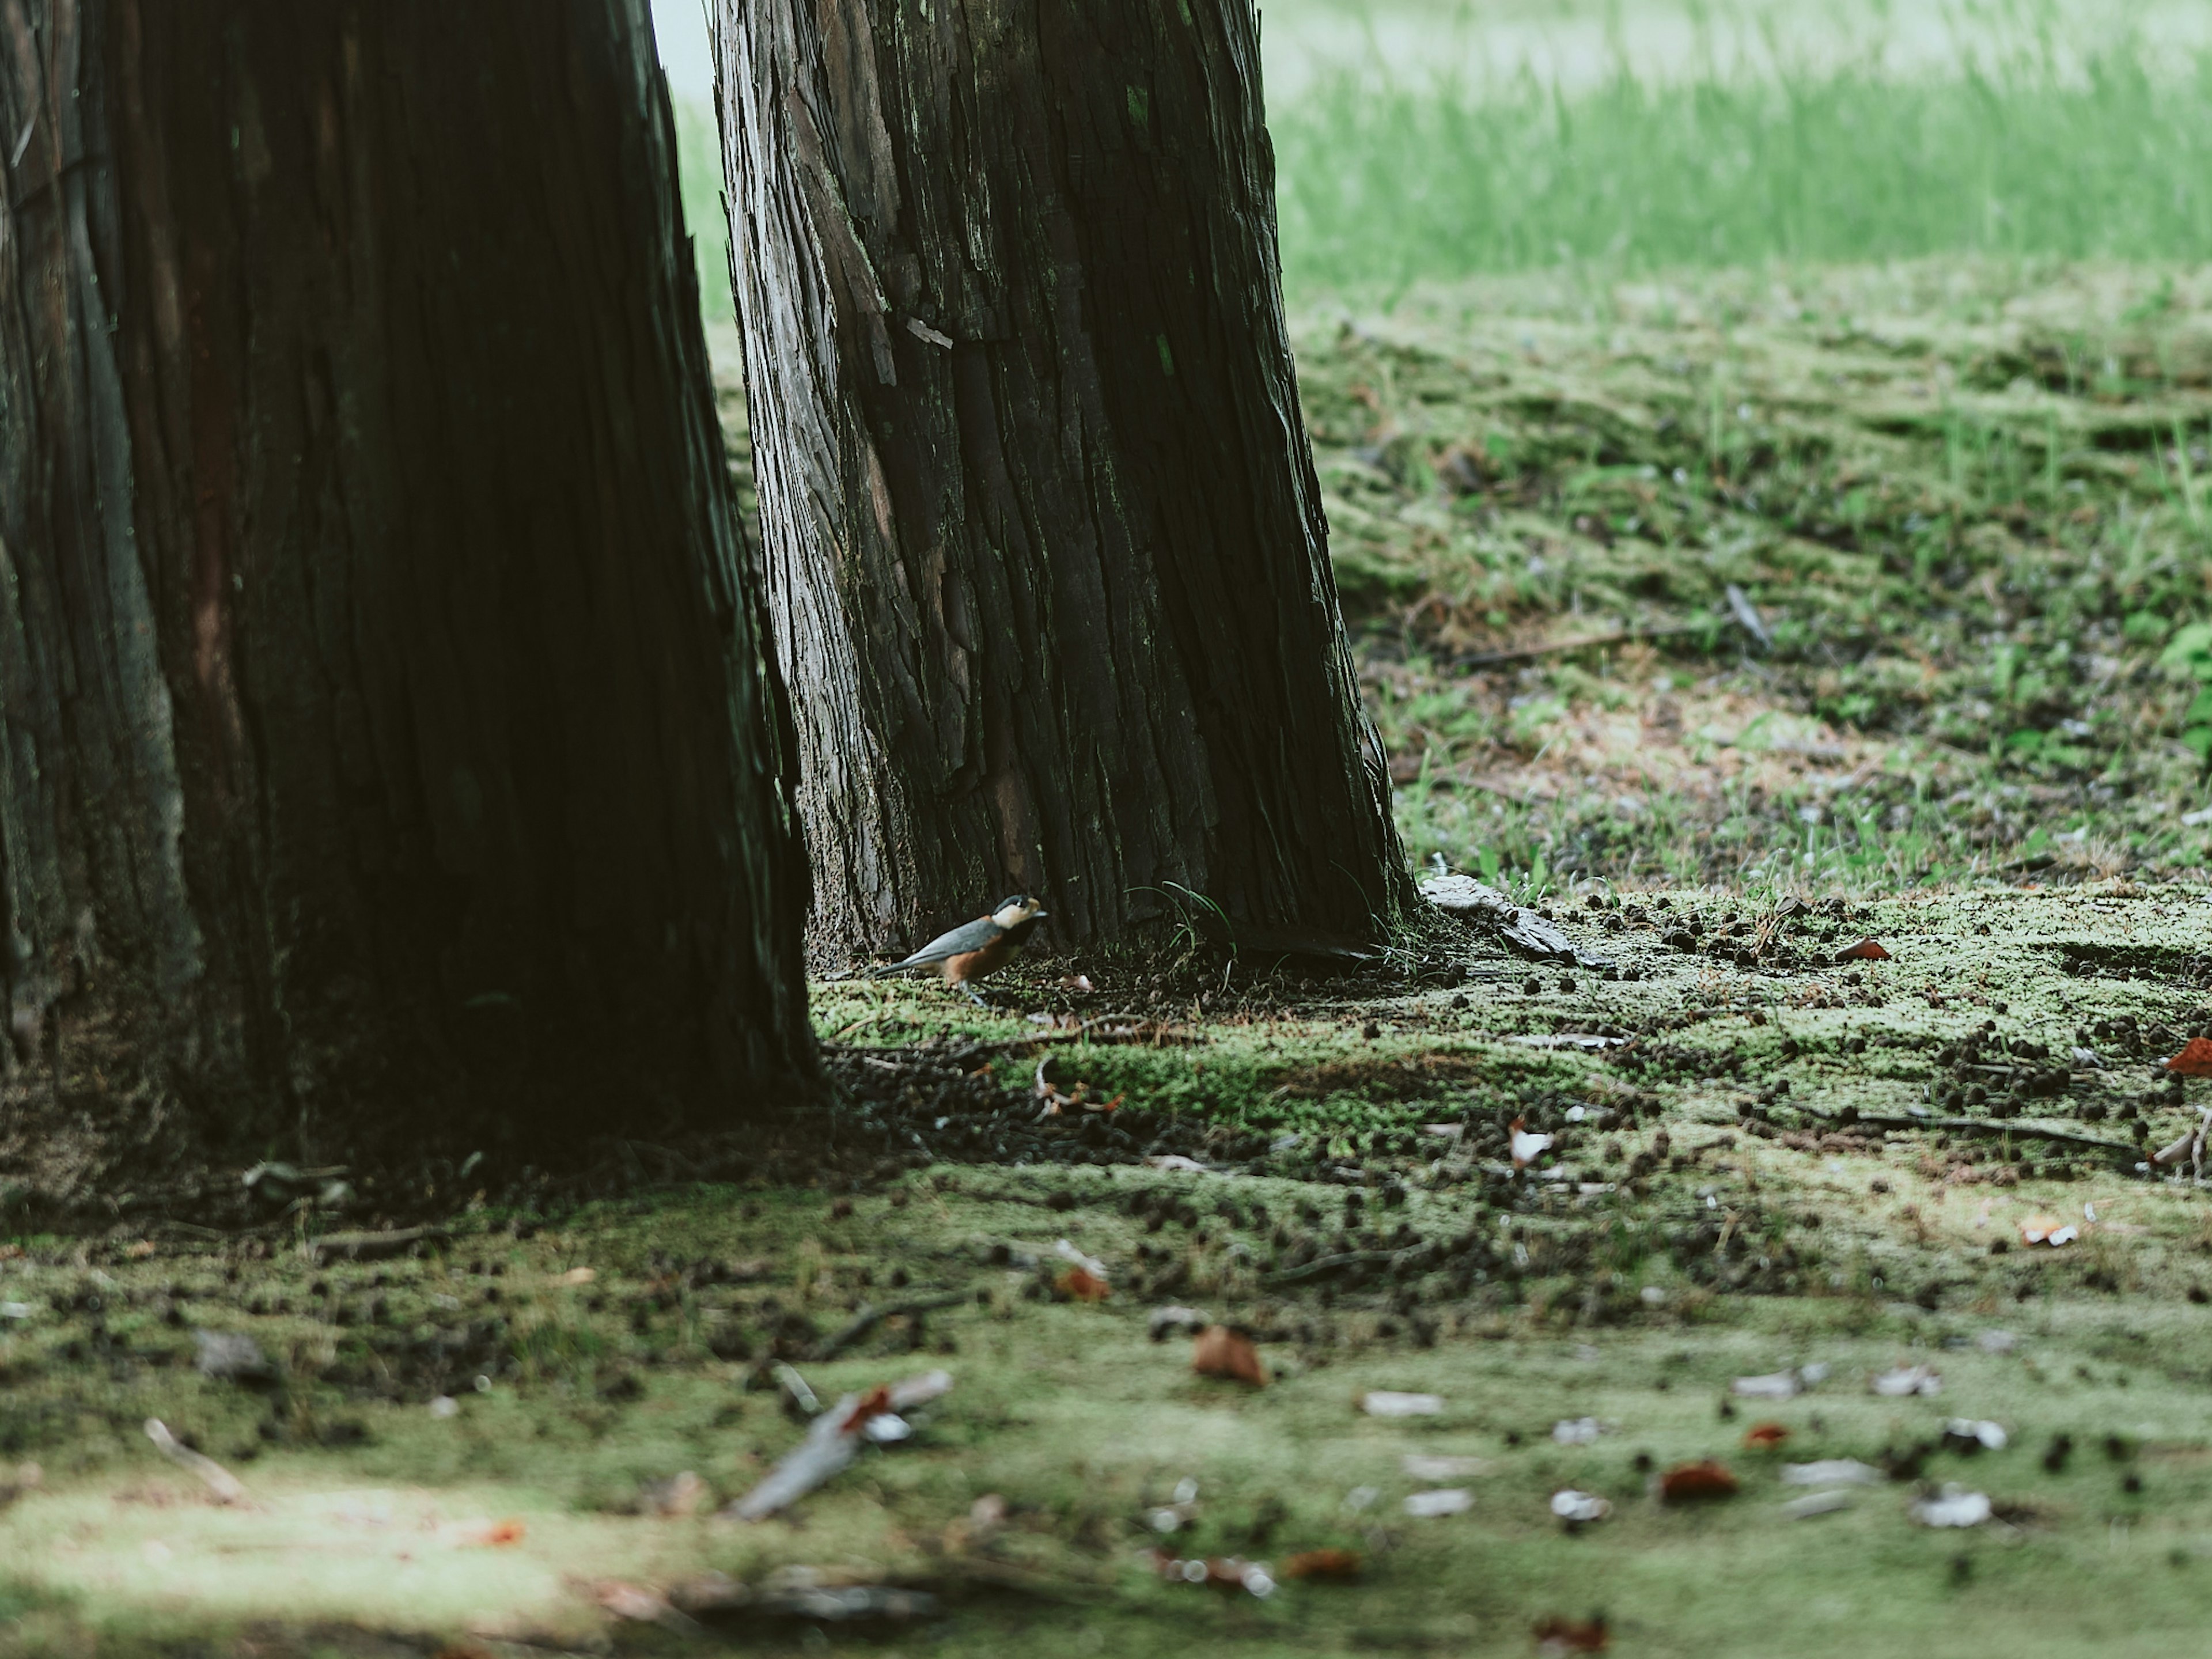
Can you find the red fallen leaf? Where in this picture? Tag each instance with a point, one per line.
(500, 1532)
(2195, 1058)
(1691, 1483)
(1556, 1636)
(1765, 1436)
(1866, 950)
(1220, 1352)
(874, 1403)
(1081, 1284)
(1325, 1566)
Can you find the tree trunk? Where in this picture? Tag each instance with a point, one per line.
(389, 746)
(1045, 547)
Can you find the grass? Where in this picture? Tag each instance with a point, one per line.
(2040, 140)
(1966, 498)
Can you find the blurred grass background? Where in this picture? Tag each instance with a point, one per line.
(1418, 140)
(2032, 141)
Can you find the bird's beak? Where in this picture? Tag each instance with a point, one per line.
(1034, 915)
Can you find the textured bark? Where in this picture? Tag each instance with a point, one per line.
(1045, 547)
(389, 745)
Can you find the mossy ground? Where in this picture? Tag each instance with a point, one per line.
(1750, 1238)
(1969, 505)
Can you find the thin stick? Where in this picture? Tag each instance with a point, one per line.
(1980, 1126)
(1559, 648)
(868, 1318)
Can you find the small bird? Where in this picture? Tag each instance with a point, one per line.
(980, 947)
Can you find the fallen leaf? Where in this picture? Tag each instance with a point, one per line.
(2048, 1229)
(1970, 1435)
(1388, 1402)
(1445, 1500)
(1866, 950)
(1831, 1472)
(1954, 1506)
(1081, 1284)
(1222, 1353)
(1528, 1146)
(1765, 1436)
(1557, 1637)
(1693, 1483)
(1423, 1466)
(1778, 1385)
(577, 1276)
(1579, 1508)
(1818, 1503)
(2195, 1058)
(1905, 1380)
(1328, 1566)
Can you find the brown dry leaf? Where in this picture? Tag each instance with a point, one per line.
(1556, 1636)
(1222, 1353)
(1765, 1436)
(1328, 1566)
(1866, 950)
(1693, 1483)
(2195, 1058)
(1081, 1284)
(577, 1276)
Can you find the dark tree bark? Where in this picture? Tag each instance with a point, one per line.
(1045, 547)
(388, 749)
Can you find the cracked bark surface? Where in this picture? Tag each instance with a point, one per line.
(1044, 543)
(390, 749)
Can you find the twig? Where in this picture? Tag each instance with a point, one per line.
(1747, 616)
(371, 1247)
(1977, 1125)
(1560, 648)
(1329, 1264)
(868, 1318)
(224, 1486)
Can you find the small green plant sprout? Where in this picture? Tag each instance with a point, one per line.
(2189, 654)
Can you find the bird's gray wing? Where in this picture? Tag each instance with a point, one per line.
(974, 936)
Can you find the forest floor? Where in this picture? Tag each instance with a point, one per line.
(1967, 509)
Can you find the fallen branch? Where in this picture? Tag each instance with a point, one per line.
(221, 1484)
(868, 1318)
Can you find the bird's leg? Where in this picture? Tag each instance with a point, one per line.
(968, 990)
